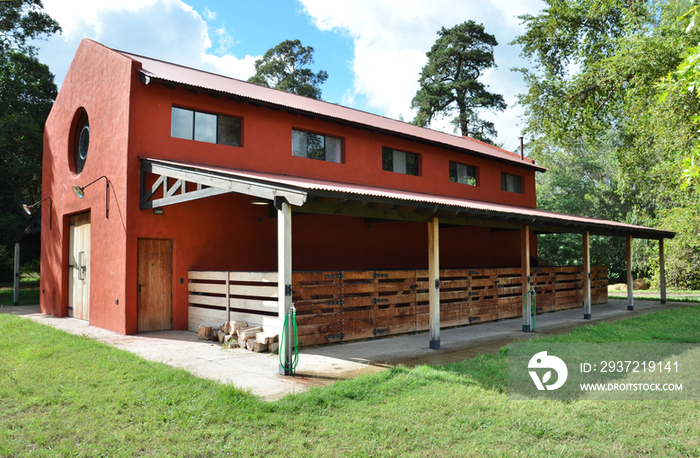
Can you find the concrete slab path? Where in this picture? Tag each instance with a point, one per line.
(257, 372)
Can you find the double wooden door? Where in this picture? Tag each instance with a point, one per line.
(79, 266)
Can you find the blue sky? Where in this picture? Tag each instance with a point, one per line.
(373, 50)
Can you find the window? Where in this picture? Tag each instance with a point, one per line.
(511, 183)
(465, 174)
(317, 146)
(399, 161)
(81, 141)
(205, 127)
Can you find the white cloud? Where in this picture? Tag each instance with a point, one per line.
(391, 38)
(211, 15)
(164, 29)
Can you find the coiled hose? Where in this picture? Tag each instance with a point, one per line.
(533, 310)
(289, 366)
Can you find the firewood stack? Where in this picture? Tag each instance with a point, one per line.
(237, 334)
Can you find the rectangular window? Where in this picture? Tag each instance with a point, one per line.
(465, 174)
(317, 146)
(205, 127)
(511, 183)
(399, 161)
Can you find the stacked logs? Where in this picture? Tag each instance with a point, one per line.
(237, 334)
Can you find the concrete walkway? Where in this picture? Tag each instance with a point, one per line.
(257, 372)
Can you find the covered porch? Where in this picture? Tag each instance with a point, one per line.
(346, 305)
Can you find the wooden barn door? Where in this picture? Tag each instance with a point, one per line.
(155, 285)
(79, 266)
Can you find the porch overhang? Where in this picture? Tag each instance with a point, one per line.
(307, 195)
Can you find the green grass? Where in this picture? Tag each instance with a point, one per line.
(28, 290)
(63, 395)
(671, 296)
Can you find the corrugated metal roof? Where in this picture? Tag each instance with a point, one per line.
(535, 216)
(168, 72)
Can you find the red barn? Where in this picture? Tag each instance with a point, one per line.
(192, 182)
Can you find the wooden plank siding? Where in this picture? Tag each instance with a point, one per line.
(336, 306)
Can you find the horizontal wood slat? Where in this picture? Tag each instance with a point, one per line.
(251, 296)
(335, 306)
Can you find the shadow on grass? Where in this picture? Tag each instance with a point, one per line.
(26, 297)
(490, 371)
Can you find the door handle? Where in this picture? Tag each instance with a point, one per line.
(140, 285)
(83, 267)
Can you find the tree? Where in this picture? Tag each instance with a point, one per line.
(27, 91)
(22, 20)
(596, 68)
(449, 81)
(593, 89)
(284, 67)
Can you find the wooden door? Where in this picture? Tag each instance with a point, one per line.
(79, 266)
(155, 285)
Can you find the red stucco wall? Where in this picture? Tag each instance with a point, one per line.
(267, 146)
(98, 81)
(129, 120)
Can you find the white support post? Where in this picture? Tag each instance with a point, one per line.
(15, 294)
(284, 278)
(586, 275)
(662, 271)
(630, 281)
(525, 281)
(434, 281)
(228, 296)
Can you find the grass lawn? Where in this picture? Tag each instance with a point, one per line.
(28, 290)
(675, 296)
(64, 395)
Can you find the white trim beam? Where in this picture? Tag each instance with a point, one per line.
(240, 185)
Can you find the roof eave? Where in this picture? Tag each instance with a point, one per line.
(146, 78)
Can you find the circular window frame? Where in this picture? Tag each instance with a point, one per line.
(80, 140)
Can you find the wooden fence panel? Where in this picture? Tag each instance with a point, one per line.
(334, 306)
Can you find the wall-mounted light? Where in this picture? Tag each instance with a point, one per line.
(80, 192)
(158, 211)
(28, 208)
(259, 201)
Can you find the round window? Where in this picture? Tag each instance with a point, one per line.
(81, 143)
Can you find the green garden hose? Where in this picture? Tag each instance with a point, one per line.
(290, 366)
(533, 310)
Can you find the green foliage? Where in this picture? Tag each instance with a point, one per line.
(449, 82)
(596, 68)
(682, 253)
(23, 20)
(581, 182)
(594, 90)
(686, 78)
(284, 67)
(27, 92)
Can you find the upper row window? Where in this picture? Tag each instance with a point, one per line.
(317, 146)
(465, 174)
(511, 183)
(205, 127)
(399, 161)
